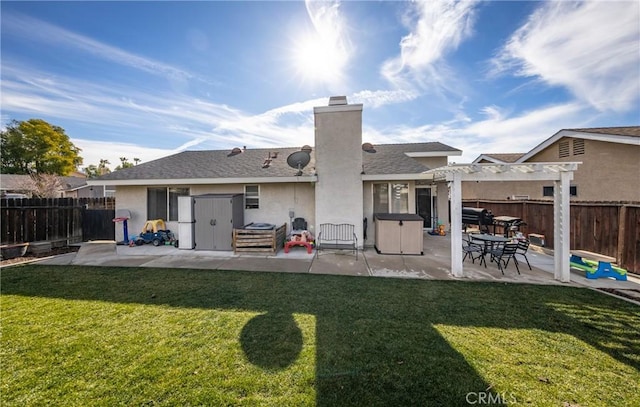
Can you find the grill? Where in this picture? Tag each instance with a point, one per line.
(477, 216)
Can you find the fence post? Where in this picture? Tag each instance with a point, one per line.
(622, 225)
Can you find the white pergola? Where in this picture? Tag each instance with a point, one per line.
(560, 173)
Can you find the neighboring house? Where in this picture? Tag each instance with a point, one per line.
(14, 184)
(609, 169)
(74, 186)
(344, 182)
(78, 188)
(502, 158)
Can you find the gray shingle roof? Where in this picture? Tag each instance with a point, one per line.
(13, 181)
(213, 164)
(392, 158)
(505, 157)
(388, 159)
(618, 131)
(20, 182)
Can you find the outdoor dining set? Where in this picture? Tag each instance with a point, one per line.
(500, 248)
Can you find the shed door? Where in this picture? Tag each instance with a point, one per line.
(223, 229)
(204, 223)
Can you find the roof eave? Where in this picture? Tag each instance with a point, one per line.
(203, 181)
(418, 154)
(396, 177)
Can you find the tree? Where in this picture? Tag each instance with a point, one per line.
(126, 164)
(94, 171)
(42, 185)
(37, 147)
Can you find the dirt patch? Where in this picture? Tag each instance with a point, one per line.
(631, 294)
(29, 257)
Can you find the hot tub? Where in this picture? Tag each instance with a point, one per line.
(259, 226)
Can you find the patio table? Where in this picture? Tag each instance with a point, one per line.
(488, 242)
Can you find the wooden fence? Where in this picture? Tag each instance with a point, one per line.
(612, 229)
(52, 219)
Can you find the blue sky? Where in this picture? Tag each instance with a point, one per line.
(149, 79)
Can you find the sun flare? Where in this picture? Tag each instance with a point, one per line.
(319, 59)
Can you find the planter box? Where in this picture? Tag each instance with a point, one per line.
(40, 247)
(11, 251)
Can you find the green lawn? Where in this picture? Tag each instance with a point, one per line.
(78, 336)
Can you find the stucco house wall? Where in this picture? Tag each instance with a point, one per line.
(277, 199)
(432, 162)
(275, 202)
(608, 172)
(500, 190)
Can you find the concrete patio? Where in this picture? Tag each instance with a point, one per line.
(435, 264)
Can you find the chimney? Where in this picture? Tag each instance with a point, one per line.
(338, 155)
(337, 100)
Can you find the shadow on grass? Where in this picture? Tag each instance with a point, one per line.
(272, 340)
(375, 338)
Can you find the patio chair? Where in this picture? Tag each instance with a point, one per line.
(503, 254)
(523, 247)
(299, 224)
(471, 249)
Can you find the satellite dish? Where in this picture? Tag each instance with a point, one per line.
(299, 160)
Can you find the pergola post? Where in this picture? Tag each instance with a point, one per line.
(456, 225)
(562, 211)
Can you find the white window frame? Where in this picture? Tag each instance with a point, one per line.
(169, 207)
(390, 200)
(252, 198)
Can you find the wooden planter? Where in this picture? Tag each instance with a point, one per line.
(259, 241)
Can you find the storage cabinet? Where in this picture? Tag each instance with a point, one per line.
(215, 217)
(398, 233)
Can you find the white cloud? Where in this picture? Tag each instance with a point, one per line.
(41, 31)
(141, 118)
(591, 48)
(498, 133)
(436, 27)
(93, 151)
(379, 98)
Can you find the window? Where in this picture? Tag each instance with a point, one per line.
(563, 149)
(252, 196)
(380, 198)
(162, 202)
(390, 198)
(548, 191)
(174, 193)
(156, 203)
(578, 146)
